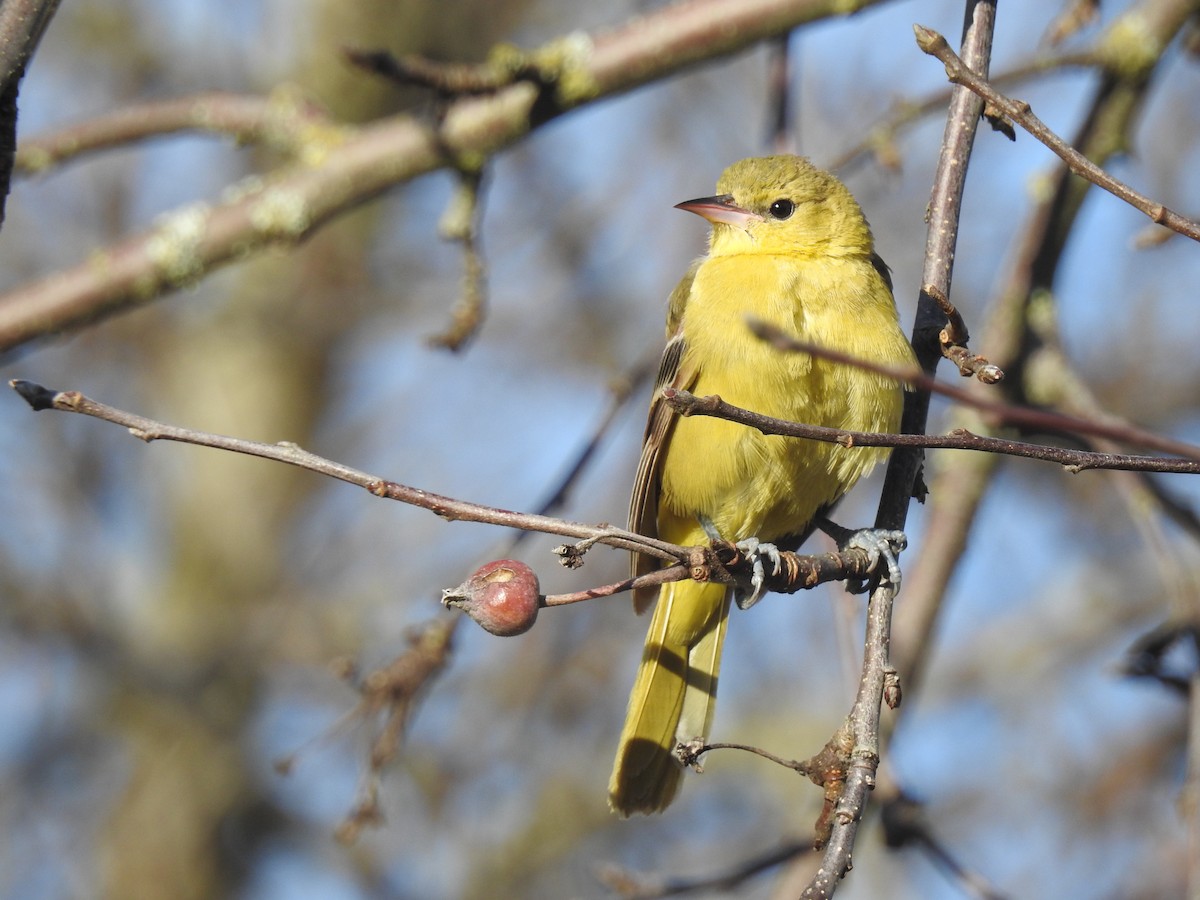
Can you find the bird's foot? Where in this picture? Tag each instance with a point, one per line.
(881, 546)
(755, 550)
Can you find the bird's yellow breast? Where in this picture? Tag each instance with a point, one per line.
(747, 483)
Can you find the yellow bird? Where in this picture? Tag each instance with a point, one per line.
(789, 246)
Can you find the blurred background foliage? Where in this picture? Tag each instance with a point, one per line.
(170, 613)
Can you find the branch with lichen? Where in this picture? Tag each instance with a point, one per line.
(346, 166)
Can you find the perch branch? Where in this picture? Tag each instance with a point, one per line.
(855, 747)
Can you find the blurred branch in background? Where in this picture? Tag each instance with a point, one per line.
(350, 165)
(284, 121)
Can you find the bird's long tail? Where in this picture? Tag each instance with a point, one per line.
(673, 697)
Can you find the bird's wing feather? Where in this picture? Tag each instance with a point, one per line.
(672, 372)
(884, 270)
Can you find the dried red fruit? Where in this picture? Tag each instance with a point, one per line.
(502, 596)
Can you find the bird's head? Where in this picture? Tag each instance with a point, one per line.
(782, 205)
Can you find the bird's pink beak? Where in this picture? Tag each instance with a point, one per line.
(720, 209)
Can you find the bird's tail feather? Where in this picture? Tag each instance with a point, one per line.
(673, 696)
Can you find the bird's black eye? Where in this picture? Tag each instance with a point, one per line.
(782, 209)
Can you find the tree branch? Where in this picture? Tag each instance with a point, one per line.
(1107, 118)
(861, 760)
(633, 886)
(40, 398)
(688, 404)
(721, 561)
(1025, 417)
(1021, 113)
(348, 166)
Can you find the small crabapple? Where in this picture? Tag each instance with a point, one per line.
(501, 596)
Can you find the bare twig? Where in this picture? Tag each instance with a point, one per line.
(690, 755)
(960, 439)
(1022, 114)
(1024, 417)
(1190, 799)
(391, 693)
(1078, 15)
(721, 561)
(782, 137)
(880, 139)
(447, 79)
(448, 508)
(388, 698)
(650, 579)
(621, 390)
(953, 339)
(22, 24)
(905, 824)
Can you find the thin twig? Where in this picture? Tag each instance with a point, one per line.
(880, 139)
(446, 79)
(650, 579)
(1078, 15)
(22, 25)
(391, 694)
(1024, 417)
(1190, 799)
(954, 337)
(448, 508)
(960, 439)
(460, 223)
(621, 390)
(721, 561)
(782, 136)
(690, 755)
(1022, 114)
(906, 824)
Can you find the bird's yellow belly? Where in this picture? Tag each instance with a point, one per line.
(750, 484)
